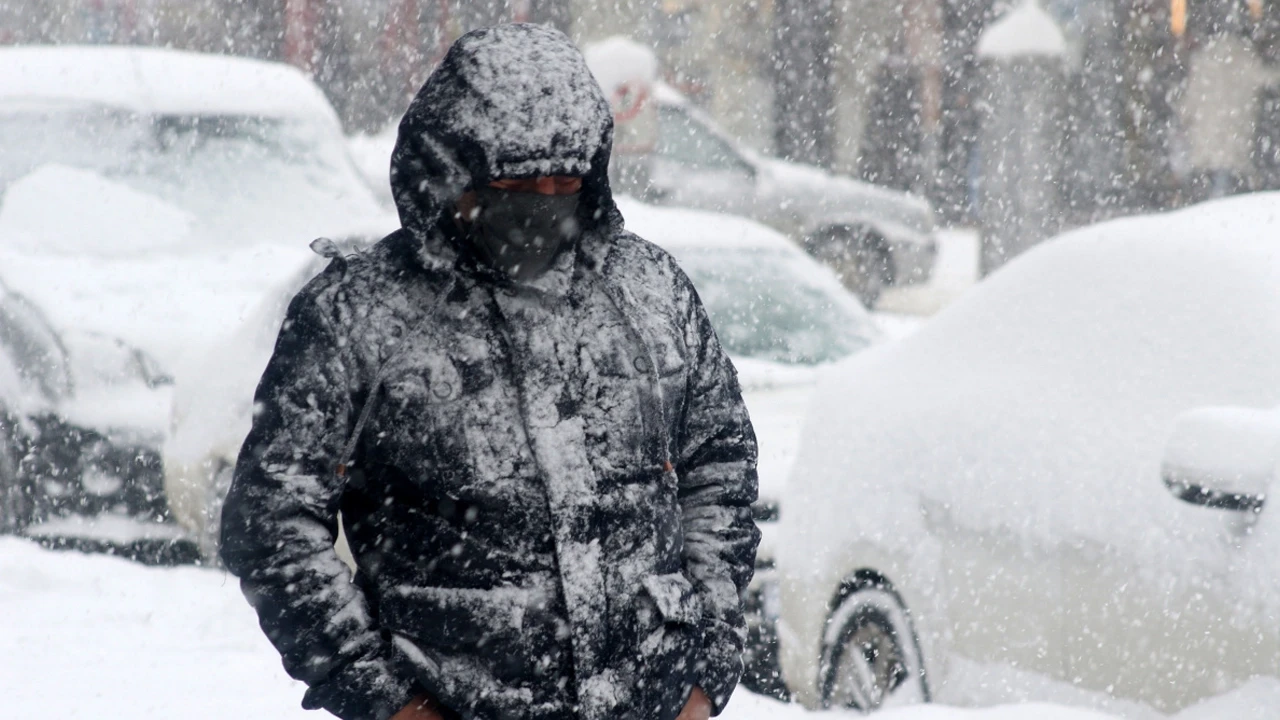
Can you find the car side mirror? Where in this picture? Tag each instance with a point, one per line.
(1223, 457)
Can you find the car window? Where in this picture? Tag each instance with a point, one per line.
(97, 139)
(771, 305)
(683, 139)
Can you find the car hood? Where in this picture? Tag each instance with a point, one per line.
(125, 263)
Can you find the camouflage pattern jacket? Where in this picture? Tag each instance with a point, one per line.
(549, 506)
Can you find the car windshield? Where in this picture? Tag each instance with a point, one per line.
(264, 168)
(682, 139)
(774, 305)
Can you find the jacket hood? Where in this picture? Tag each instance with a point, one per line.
(510, 101)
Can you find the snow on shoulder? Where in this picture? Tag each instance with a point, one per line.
(1026, 30)
(159, 81)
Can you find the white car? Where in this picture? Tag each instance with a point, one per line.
(991, 487)
(79, 460)
(875, 237)
(155, 195)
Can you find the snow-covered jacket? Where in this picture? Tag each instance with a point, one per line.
(549, 496)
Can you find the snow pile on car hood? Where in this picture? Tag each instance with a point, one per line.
(1040, 403)
(65, 210)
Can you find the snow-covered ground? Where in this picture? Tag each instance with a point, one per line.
(96, 637)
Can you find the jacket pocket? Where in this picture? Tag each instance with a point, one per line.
(455, 618)
(674, 597)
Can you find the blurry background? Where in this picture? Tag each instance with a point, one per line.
(1154, 103)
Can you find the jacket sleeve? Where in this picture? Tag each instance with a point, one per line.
(716, 462)
(279, 524)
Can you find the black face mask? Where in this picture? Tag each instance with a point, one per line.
(521, 233)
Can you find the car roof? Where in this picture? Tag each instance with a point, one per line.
(158, 81)
(681, 229)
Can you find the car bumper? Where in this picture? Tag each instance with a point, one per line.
(913, 257)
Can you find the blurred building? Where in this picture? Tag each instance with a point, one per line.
(884, 89)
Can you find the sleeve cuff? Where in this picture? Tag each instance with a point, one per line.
(721, 668)
(367, 689)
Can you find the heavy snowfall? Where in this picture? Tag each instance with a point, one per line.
(998, 280)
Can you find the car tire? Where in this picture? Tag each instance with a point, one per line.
(871, 655)
(859, 258)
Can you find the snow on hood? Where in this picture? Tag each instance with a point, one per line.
(509, 101)
(159, 81)
(1026, 30)
(50, 210)
(1040, 403)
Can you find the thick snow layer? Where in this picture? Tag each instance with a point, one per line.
(159, 81)
(1035, 411)
(1053, 384)
(99, 637)
(1234, 449)
(99, 255)
(94, 215)
(1026, 30)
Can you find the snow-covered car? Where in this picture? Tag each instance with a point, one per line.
(778, 312)
(1011, 485)
(155, 195)
(79, 453)
(872, 236)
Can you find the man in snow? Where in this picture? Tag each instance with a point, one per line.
(538, 447)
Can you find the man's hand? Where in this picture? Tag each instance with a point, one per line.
(419, 708)
(697, 707)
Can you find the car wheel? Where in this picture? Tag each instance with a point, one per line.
(870, 653)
